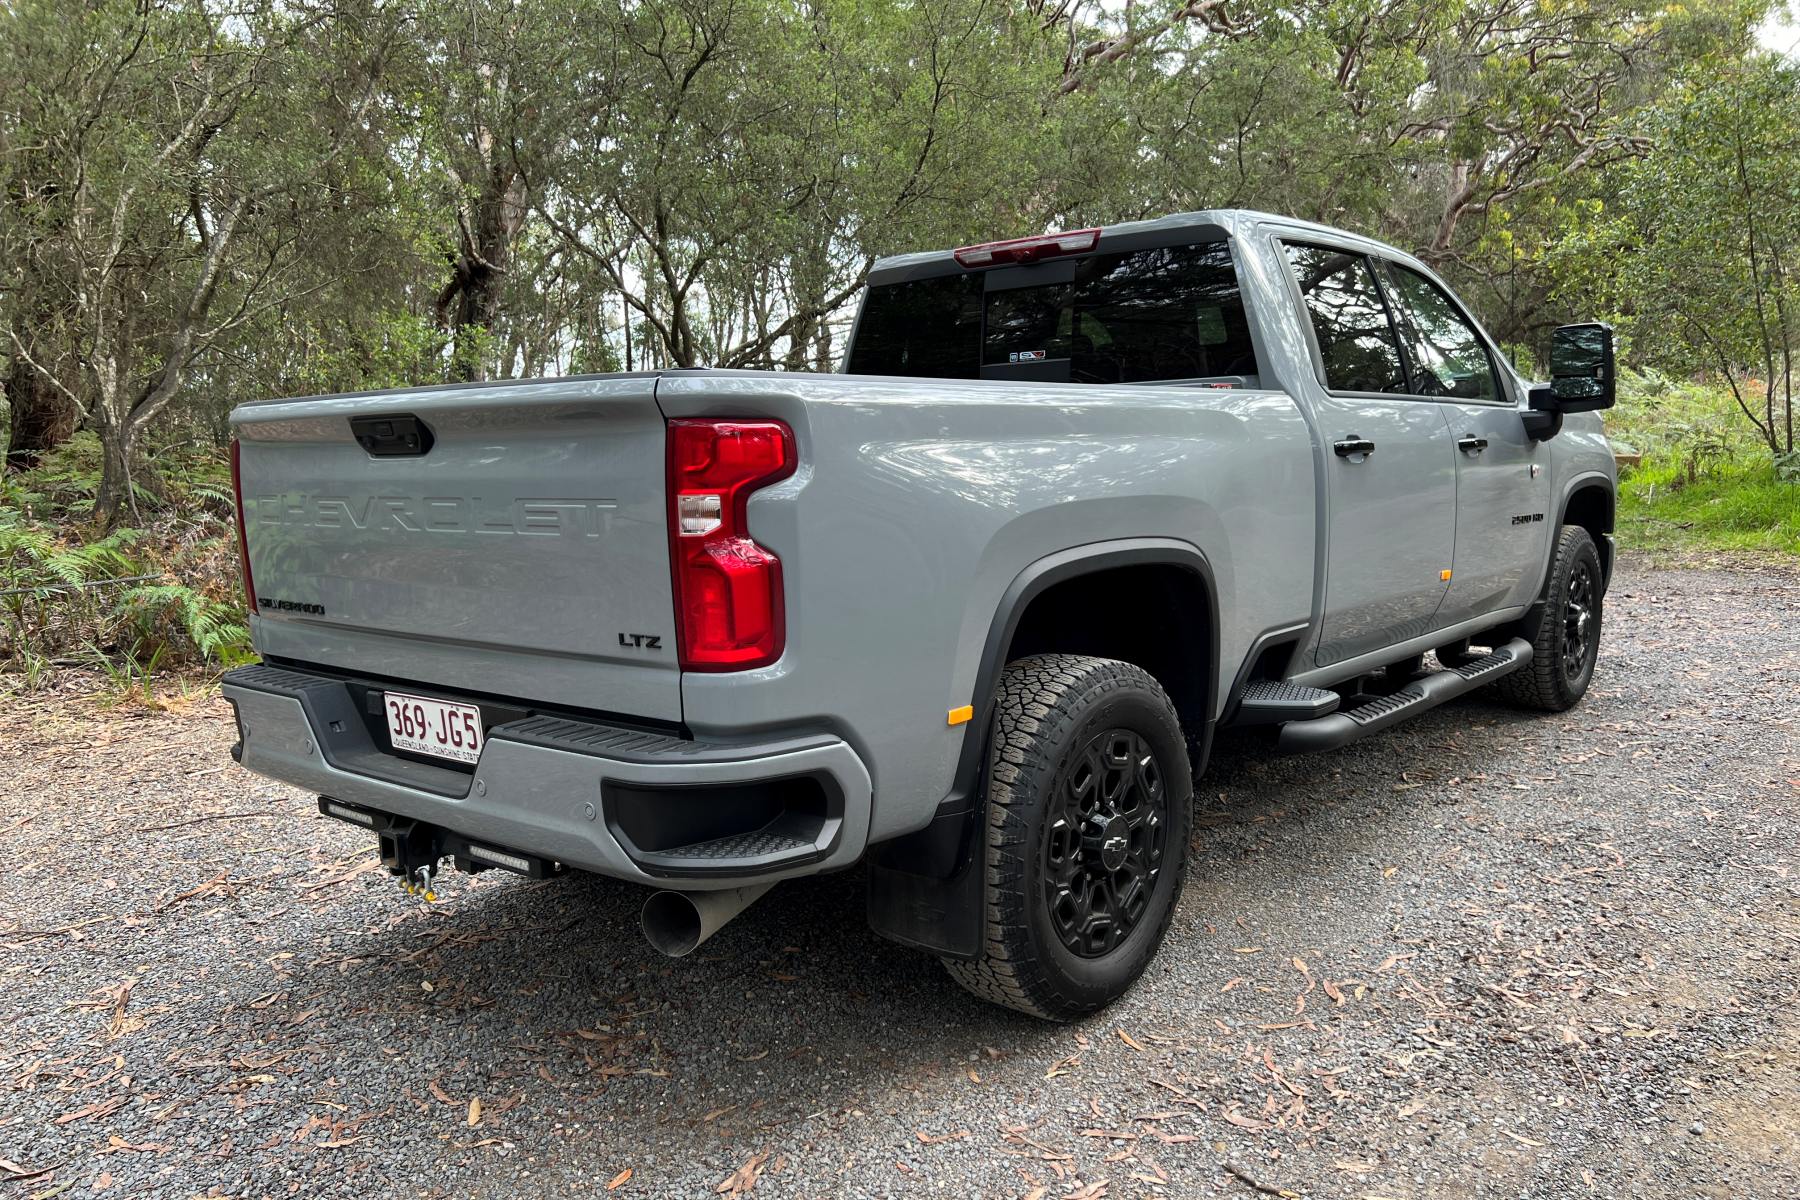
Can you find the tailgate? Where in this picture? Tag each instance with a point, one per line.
(524, 554)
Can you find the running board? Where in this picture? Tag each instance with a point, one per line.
(1274, 701)
(1421, 695)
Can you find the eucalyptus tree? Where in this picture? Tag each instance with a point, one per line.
(468, 99)
(730, 169)
(1451, 127)
(1698, 251)
(187, 167)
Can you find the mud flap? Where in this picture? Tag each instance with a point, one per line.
(925, 887)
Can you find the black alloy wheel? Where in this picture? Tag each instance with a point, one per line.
(1563, 627)
(1088, 803)
(1580, 628)
(1104, 844)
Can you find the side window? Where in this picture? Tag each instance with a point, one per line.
(1356, 338)
(1447, 357)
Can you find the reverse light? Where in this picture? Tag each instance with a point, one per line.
(1028, 249)
(237, 496)
(728, 600)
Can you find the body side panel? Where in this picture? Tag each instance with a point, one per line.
(920, 502)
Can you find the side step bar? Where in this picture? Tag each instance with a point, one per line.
(1274, 701)
(1422, 694)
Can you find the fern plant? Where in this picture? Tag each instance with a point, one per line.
(174, 616)
(127, 603)
(48, 584)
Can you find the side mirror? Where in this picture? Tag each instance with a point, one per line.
(1582, 377)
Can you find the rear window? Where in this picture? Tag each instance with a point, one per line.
(1173, 312)
(923, 327)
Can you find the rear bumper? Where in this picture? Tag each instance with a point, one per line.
(645, 807)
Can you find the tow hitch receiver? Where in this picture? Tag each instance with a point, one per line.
(412, 850)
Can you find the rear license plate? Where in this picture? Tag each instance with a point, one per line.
(435, 727)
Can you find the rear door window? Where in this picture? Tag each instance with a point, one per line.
(1357, 343)
(1166, 313)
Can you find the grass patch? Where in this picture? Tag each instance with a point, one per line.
(1706, 483)
(1738, 505)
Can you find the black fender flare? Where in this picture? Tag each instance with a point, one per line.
(1601, 481)
(1603, 545)
(925, 886)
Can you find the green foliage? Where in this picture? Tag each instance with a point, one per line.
(165, 615)
(466, 190)
(1698, 254)
(1735, 506)
(1691, 425)
(1705, 482)
(127, 601)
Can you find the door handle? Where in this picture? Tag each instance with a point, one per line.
(1470, 444)
(1353, 445)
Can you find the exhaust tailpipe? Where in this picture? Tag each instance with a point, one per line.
(677, 922)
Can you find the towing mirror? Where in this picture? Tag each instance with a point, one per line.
(1581, 367)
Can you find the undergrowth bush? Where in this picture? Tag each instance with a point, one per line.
(1705, 481)
(131, 602)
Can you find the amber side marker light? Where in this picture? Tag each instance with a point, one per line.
(963, 715)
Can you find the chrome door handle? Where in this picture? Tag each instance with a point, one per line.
(1470, 444)
(1353, 445)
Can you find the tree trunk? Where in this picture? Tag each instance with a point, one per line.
(117, 446)
(42, 417)
(472, 299)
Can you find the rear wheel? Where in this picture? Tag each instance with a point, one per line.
(1564, 630)
(1088, 811)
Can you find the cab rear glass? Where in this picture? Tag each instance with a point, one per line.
(1164, 313)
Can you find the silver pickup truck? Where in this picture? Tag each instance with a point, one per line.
(967, 613)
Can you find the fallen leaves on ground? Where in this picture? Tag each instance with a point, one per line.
(1243, 1120)
(744, 1178)
(15, 1171)
(929, 1139)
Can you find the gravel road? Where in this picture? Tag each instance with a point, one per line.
(1486, 955)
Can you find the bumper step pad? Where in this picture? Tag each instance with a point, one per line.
(621, 744)
(1421, 695)
(768, 844)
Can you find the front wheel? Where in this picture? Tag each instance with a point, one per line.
(1088, 808)
(1564, 629)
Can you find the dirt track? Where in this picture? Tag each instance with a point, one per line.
(1486, 954)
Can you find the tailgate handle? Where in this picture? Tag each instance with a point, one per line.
(392, 437)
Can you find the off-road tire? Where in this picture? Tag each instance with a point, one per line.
(1551, 682)
(1048, 708)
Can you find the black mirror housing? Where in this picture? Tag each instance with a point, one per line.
(1583, 377)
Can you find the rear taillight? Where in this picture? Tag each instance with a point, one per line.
(1029, 249)
(728, 606)
(237, 495)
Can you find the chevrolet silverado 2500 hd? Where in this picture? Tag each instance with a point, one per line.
(967, 613)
